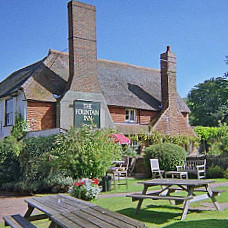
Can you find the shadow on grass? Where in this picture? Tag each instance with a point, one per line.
(201, 224)
(174, 207)
(150, 216)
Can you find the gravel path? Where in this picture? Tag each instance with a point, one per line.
(11, 203)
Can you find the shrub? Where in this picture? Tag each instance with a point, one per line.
(85, 189)
(52, 184)
(49, 164)
(57, 182)
(156, 138)
(224, 144)
(86, 152)
(36, 159)
(169, 155)
(129, 152)
(226, 173)
(20, 127)
(215, 149)
(10, 149)
(215, 172)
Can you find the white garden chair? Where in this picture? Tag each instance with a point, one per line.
(155, 169)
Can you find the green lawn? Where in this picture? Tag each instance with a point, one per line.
(161, 213)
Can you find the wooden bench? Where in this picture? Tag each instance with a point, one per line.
(197, 167)
(153, 196)
(17, 221)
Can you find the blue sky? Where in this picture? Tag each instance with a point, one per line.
(132, 31)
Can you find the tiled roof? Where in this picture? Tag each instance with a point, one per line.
(121, 84)
(40, 81)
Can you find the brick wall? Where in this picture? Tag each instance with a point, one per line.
(172, 122)
(82, 48)
(117, 114)
(146, 116)
(40, 115)
(142, 116)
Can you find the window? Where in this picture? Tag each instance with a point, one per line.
(130, 115)
(9, 112)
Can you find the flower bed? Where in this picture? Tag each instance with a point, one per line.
(85, 189)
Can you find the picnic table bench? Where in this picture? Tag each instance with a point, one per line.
(172, 186)
(66, 211)
(17, 221)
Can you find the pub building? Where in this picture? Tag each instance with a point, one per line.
(71, 89)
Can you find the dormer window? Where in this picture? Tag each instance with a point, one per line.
(130, 115)
(9, 112)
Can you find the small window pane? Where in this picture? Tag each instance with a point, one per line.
(130, 115)
(9, 111)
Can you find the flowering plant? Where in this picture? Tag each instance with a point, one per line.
(86, 189)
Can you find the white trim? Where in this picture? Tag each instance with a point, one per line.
(129, 118)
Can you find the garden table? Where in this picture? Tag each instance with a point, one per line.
(178, 174)
(66, 211)
(118, 172)
(171, 186)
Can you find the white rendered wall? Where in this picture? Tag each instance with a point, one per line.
(19, 106)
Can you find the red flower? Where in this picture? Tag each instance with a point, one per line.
(76, 184)
(95, 181)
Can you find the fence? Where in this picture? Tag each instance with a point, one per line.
(221, 161)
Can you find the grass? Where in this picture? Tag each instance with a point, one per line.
(133, 186)
(160, 213)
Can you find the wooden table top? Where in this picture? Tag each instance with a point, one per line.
(94, 217)
(57, 203)
(168, 181)
(69, 212)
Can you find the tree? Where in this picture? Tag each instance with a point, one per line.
(208, 102)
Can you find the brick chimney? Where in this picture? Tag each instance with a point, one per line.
(82, 48)
(170, 120)
(168, 79)
(82, 90)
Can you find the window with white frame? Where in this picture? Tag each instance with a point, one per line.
(9, 112)
(130, 115)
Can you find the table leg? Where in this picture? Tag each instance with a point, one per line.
(141, 200)
(29, 211)
(187, 203)
(54, 225)
(214, 201)
(114, 180)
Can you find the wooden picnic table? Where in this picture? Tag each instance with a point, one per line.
(171, 186)
(66, 211)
